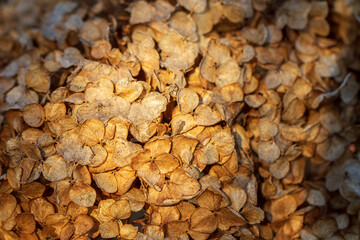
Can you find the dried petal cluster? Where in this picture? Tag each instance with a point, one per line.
(171, 119)
(301, 132)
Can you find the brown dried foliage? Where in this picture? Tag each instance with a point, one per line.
(170, 119)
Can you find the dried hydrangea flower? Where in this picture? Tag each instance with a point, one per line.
(169, 119)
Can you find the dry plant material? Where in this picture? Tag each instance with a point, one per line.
(168, 119)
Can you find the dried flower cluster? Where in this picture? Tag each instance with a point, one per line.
(187, 119)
